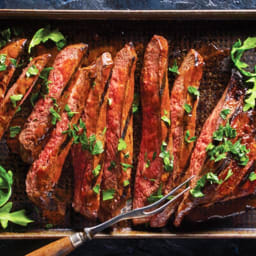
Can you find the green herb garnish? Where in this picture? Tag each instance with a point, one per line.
(2, 62)
(252, 176)
(96, 189)
(165, 118)
(187, 139)
(32, 71)
(55, 116)
(229, 174)
(96, 170)
(14, 131)
(126, 183)
(167, 159)
(193, 91)
(224, 113)
(15, 98)
(45, 34)
(187, 108)
(108, 194)
(174, 68)
(121, 145)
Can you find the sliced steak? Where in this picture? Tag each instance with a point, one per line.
(39, 121)
(232, 99)
(85, 200)
(121, 87)
(19, 91)
(44, 174)
(190, 74)
(155, 105)
(9, 60)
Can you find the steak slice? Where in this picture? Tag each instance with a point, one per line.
(39, 122)
(120, 97)
(44, 174)
(9, 58)
(19, 91)
(232, 99)
(85, 200)
(155, 105)
(190, 74)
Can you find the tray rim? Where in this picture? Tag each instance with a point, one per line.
(138, 15)
(62, 14)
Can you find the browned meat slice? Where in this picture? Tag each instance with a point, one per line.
(155, 105)
(39, 121)
(86, 200)
(20, 90)
(232, 99)
(45, 172)
(184, 93)
(9, 60)
(121, 84)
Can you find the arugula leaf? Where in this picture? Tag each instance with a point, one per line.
(96, 189)
(96, 170)
(45, 34)
(193, 91)
(32, 71)
(252, 176)
(224, 113)
(121, 145)
(6, 182)
(174, 68)
(187, 139)
(108, 194)
(187, 108)
(17, 217)
(15, 98)
(14, 131)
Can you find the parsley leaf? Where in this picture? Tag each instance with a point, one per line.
(252, 176)
(126, 183)
(193, 91)
(126, 166)
(96, 189)
(187, 108)
(108, 194)
(135, 104)
(165, 118)
(45, 34)
(121, 145)
(15, 98)
(98, 148)
(174, 68)
(6, 182)
(229, 174)
(96, 170)
(33, 98)
(14, 131)
(2, 62)
(167, 159)
(224, 113)
(187, 139)
(55, 116)
(32, 71)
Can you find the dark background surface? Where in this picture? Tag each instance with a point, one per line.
(129, 4)
(141, 246)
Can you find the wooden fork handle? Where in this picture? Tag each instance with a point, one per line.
(60, 247)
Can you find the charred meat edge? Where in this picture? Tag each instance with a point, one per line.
(121, 82)
(23, 86)
(12, 51)
(148, 176)
(86, 201)
(190, 74)
(230, 99)
(44, 174)
(39, 122)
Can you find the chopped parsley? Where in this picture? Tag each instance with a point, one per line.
(96, 189)
(96, 170)
(112, 165)
(104, 130)
(252, 176)
(229, 174)
(121, 145)
(55, 116)
(135, 104)
(34, 98)
(44, 76)
(187, 139)
(156, 196)
(211, 177)
(32, 71)
(126, 155)
(14, 62)
(147, 164)
(69, 112)
(108, 194)
(165, 118)
(167, 159)
(126, 166)
(193, 91)
(15, 98)
(224, 113)
(14, 131)
(2, 62)
(174, 68)
(126, 183)
(187, 108)
(98, 148)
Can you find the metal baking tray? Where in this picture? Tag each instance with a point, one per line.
(110, 30)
